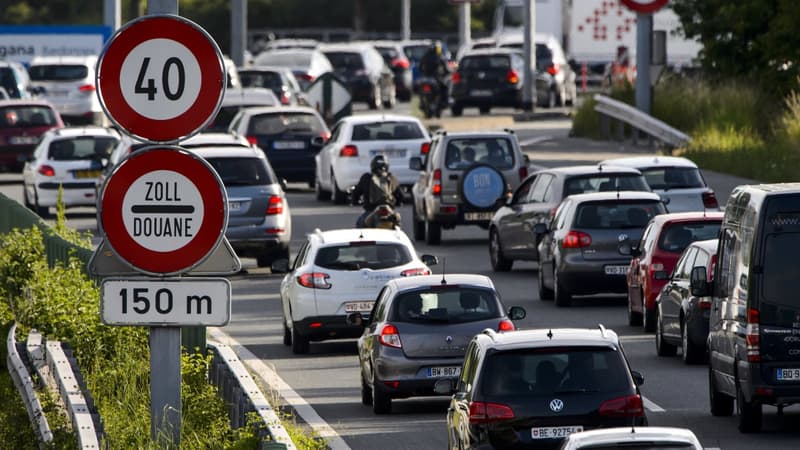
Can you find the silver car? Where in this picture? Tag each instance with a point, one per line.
(418, 331)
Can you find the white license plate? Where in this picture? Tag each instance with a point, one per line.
(288, 145)
(554, 432)
(617, 270)
(480, 92)
(23, 140)
(788, 374)
(393, 153)
(234, 206)
(447, 371)
(358, 306)
(478, 215)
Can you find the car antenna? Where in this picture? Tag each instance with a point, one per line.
(550, 334)
(444, 266)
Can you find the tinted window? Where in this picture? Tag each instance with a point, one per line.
(457, 305)
(629, 214)
(345, 60)
(605, 182)
(224, 117)
(677, 236)
(462, 153)
(241, 171)
(285, 123)
(58, 72)
(415, 52)
(388, 53)
(781, 268)
(26, 116)
(86, 147)
(362, 255)
(386, 131)
(486, 62)
(554, 371)
(9, 82)
(270, 80)
(673, 177)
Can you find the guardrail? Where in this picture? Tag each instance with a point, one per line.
(24, 384)
(638, 121)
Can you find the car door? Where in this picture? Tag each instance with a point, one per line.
(508, 217)
(289, 283)
(639, 264)
(367, 342)
(548, 245)
(458, 411)
(674, 292)
(538, 210)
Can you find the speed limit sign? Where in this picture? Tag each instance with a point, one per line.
(161, 78)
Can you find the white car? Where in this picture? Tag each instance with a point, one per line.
(677, 179)
(355, 140)
(338, 272)
(71, 158)
(236, 99)
(306, 64)
(643, 438)
(68, 83)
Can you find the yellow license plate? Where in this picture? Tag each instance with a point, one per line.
(86, 173)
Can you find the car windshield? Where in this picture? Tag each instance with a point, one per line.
(485, 62)
(26, 116)
(362, 255)
(255, 78)
(605, 182)
(673, 177)
(81, 148)
(279, 123)
(242, 171)
(462, 153)
(350, 61)
(379, 131)
(616, 214)
(554, 371)
(58, 72)
(677, 236)
(445, 305)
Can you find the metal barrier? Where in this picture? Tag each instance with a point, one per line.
(638, 121)
(24, 384)
(243, 396)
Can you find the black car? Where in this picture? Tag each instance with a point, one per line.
(364, 72)
(280, 80)
(532, 388)
(536, 199)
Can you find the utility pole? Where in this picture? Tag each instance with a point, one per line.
(112, 14)
(644, 33)
(238, 31)
(464, 29)
(529, 50)
(405, 20)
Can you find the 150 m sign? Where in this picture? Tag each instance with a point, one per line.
(167, 301)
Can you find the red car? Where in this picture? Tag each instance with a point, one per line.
(22, 124)
(653, 259)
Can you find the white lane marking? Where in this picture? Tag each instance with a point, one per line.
(650, 406)
(274, 381)
(535, 140)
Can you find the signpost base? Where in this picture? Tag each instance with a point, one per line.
(165, 384)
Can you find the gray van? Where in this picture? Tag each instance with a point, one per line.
(754, 327)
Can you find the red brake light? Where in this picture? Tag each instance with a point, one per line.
(485, 412)
(274, 205)
(348, 151)
(523, 173)
(86, 88)
(47, 171)
(628, 406)
(505, 325)
(710, 200)
(512, 77)
(552, 69)
(314, 280)
(284, 98)
(415, 272)
(576, 239)
(455, 78)
(390, 337)
(304, 76)
(425, 148)
(437, 182)
(426, 88)
(325, 135)
(401, 63)
(752, 336)
(252, 140)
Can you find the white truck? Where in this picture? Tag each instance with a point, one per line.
(550, 17)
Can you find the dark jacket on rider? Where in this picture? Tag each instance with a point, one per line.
(365, 186)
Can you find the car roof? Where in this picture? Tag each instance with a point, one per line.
(89, 130)
(490, 51)
(347, 235)
(650, 161)
(553, 337)
(249, 96)
(606, 436)
(688, 216)
(25, 102)
(516, 37)
(370, 118)
(709, 245)
(213, 151)
(278, 110)
(436, 280)
(589, 169)
(52, 59)
(476, 134)
(344, 46)
(615, 195)
(263, 68)
(220, 138)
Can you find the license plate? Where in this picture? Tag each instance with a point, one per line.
(23, 140)
(358, 306)
(617, 270)
(393, 153)
(447, 371)
(478, 215)
(234, 206)
(480, 92)
(554, 432)
(288, 145)
(788, 374)
(86, 173)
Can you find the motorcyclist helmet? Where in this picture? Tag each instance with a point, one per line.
(436, 46)
(379, 164)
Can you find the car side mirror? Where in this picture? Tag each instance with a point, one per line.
(444, 387)
(698, 282)
(638, 378)
(429, 260)
(517, 313)
(282, 182)
(355, 319)
(415, 163)
(540, 228)
(665, 200)
(280, 265)
(526, 159)
(318, 141)
(625, 248)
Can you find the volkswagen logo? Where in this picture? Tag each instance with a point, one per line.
(556, 405)
(448, 339)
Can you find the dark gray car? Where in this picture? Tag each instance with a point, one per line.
(579, 252)
(418, 331)
(511, 234)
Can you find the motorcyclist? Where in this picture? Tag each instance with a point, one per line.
(434, 65)
(377, 187)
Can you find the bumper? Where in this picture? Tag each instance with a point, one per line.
(582, 277)
(75, 193)
(302, 171)
(444, 214)
(411, 374)
(504, 97)
(321, 328)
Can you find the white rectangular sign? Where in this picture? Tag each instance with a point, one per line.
(165, 301)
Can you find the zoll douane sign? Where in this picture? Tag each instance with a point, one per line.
(163, 210)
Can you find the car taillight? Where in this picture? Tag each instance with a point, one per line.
(390, 337)
(523, 173)
(427, 88)
(86, 88)
(401, 63)
(425, 148)
(576, 239)
(710, 200)
(252, 140)
(656, 268)
(455, 78)
(47, 171)
(704, 303)
(274, 205)
(304, 76)
(415, 272)
(505, 325)
(314, 280)
(348, 151)
(752, 337)
(325, 135)
(628, 406)
(512, 77)
(552, 69)
(285, 98)
(485, 412)
(437, 182)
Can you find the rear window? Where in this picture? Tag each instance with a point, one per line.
(554, 371)
(26, 116)
(452, 305)
(388, 53)
(270, 80)
(387, 131)
(58, 72)
(462, 153)
(676, 237)
(605, 182)
(345, 60)
(242, 171)
(285, 59)
(673, 177)
(223, 118)
(267, 124)
(362, 256)
(85, 147)
(487, 62)
(415, 52)
(610, 215)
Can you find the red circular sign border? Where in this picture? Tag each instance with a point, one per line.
(184, 32)
(211, 229)
(646, 8)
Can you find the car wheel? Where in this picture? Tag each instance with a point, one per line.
(750, 413)
(692, 353)
(381, 402)
(375, 101)
(366, 392)
(419, 225)
(545, 293)
(648, 316)
(498, 261)
(300, 344)
(663, 348)
(721, 404)
(634, 318)
(485, 109)
(433, 232)
(562, 297)
(320, 193)
(457, 110)
(287, 335)
(339, 196)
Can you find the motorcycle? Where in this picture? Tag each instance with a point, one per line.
(383, 216)
(430, 101)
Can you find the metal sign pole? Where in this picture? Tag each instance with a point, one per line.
(529, 48)
(644, 33)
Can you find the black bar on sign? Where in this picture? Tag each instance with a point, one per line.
(162, 209)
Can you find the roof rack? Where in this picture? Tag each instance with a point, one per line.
(508, 130)
(318, 233)
(602, 329)
(489, 332)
